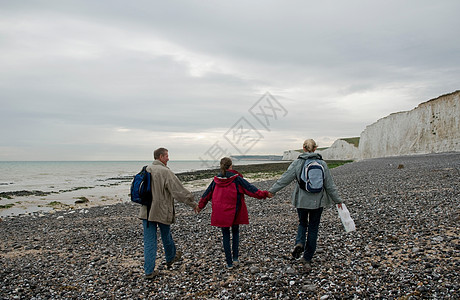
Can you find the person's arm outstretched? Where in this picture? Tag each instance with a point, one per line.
(251, 190)
(285, 179)
(206, 197)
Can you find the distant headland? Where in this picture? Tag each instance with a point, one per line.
(257, 157)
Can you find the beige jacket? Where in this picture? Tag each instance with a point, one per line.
(165, 188)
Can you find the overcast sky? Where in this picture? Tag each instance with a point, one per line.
(113, 80)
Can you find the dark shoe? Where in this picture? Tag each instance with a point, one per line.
(175, 259)
(152, 275)
(297, 252)
(306, 264)
(303, 261)
(307, 267)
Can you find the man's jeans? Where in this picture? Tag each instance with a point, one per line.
(308, 220)
(150, 244)
(235, 243)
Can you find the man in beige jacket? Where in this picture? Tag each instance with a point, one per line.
(165, 188)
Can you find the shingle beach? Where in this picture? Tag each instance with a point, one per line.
(406, 245)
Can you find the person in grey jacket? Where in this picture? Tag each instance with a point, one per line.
(165, 188)
(309, 205)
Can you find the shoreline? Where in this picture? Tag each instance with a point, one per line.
(27, 203)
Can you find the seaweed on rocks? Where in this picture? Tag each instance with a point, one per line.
(9, 195)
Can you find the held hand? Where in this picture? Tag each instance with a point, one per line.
(270, 195)
(339, 205)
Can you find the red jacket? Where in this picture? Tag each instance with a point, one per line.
(227, 196)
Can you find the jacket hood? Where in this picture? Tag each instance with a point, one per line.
(310, 155)
(226, 180)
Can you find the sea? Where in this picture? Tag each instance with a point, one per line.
(64, 175)
(65, 181)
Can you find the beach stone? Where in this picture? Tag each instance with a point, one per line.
(82, 200)
(309, 288)
(438, 239)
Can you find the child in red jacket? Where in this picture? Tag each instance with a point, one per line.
(226, 192)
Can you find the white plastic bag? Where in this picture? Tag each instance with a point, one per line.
(347, 221)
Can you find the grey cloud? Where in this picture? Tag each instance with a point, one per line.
(198, 67)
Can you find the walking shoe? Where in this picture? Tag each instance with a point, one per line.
(307, 267)
(175, 259)
(298, 250)
(152, 275)
(303, 261)
(306, 264)
(236, 263)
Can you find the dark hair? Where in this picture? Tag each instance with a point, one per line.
(158, 152)
(225, 163)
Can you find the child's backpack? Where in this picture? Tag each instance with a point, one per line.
(312, 176)
(141, 189)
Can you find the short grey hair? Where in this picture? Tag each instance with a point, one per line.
(158, 152)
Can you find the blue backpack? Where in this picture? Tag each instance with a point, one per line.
(141, 189)
(312, 176)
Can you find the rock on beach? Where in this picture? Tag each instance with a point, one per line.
(406, 245)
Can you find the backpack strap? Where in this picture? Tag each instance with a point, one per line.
(148, 205)
(297, 178)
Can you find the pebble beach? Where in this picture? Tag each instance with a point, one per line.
(406, 244)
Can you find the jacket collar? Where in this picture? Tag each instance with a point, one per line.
(229, 173)
(310, 155)
(159, 163)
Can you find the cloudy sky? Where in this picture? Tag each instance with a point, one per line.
(113, 80)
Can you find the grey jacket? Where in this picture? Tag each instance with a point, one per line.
(165, 188)
(304, 199)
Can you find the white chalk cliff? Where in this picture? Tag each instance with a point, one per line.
(340, 150)
(431, 127)
(291, 154)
